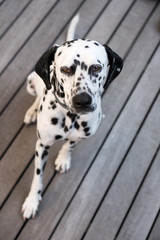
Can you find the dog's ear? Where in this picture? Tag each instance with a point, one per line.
(42, 67)
(116, 65)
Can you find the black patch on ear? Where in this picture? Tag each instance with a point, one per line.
(116, 65)
(42, 67)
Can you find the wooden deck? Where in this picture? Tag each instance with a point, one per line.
(113, 188)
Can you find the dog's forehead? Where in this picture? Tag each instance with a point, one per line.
(88, 50)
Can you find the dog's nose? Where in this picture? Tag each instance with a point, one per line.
(82, 101)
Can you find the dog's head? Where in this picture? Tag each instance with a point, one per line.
(79, 71)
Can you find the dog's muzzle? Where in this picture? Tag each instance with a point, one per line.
(83, 103)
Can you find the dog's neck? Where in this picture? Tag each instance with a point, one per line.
(57, 91)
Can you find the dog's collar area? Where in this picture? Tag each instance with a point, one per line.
(60, 103)
(57, 99)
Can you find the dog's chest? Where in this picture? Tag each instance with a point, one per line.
(84, 127)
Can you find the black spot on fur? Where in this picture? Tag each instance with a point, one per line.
(79, 79)
(44, 154)
(87, 134)
(61, 88)
(54, 121)
(46, 91)
(38, 171)
(37, 154)
(41, 145)
(78, 55)
(58, 137)
(84, 124)
(78, 89)
(53, 105)
(40, 109)
(66, 129)
(44, 99)
(76, 62)
(47, 147)
(72, 142)
(59, 53)
(86, 129)
(77, 84)
(96, 43)
(86, 46)
(83, 66)
(63, 122)
(99, 78)
(39, 192)
(71, 116)
(76, 125)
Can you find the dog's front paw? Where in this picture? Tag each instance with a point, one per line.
(30, 116)
(62, 164)
(30, 206)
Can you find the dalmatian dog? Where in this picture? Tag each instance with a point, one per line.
(68, 83)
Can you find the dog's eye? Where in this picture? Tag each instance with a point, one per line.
(65, 69)
(96, 68)
(68, 70)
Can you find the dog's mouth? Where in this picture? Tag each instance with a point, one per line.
(82, 112)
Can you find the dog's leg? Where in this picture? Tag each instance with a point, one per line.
(31, 114)
(31, 203)
(63, 160)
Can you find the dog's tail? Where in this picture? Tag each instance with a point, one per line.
(72, 28)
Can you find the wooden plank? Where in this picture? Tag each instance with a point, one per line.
(134, 21)
(87, 20)
(75, 177)
(10, 218)
(9, 12)
(15, 160)
(93, 188)
(155, 233)
(145, 207)
(15, 111)
(133, 65)
(57, 192)
(109, 21)
(22, 29)
(25, 60)
(124, 187)
(1, 2)
(12, 119)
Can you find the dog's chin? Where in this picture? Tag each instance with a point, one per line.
(79, 111)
